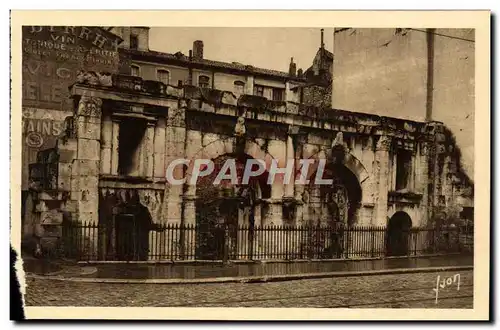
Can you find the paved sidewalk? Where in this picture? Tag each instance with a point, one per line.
(374, 291)
(276, 270)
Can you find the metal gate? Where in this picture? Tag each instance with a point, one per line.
(131, 238)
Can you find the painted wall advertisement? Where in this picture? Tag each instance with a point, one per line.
(51, 59)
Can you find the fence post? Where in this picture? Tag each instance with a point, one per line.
(226, 242)
(346, 242)
(372, 245)
(434, 247)
(448, 238)
(251, 237)
(416, 235)
(182, 239)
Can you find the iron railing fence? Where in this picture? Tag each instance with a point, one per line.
(86, 241)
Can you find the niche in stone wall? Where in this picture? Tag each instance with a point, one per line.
(132, 132)
(403, 169)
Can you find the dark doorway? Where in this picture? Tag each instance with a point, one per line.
(398, 233)
(126, 237)
(132, 235)
(210, 234)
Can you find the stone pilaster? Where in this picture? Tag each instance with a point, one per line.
(278, 149)
(159, 150)
(290, 156)
(423, 179)
(192, 146)
(382, 178)
(115, 128)
(106, 144)
(392, 171)
(148, 150)
(175, 136)
(275, 216)
(299, 188)
(435, 138)
(258, 237)
(189, 209)
(85, 170)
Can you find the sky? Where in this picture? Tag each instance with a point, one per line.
(269, 48)
(272, 48)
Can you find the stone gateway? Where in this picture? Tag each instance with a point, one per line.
(108, 168)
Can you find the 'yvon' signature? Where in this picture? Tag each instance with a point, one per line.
(446, 282)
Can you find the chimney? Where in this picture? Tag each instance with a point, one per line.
(292, 71)
(198, 50)
(300, 73)
(321, 50)
(190, 70)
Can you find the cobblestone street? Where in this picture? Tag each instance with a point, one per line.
(388, 291)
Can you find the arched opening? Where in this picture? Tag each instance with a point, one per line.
(336, 203)
(126, 224)
(398, 233)
(333, 206)
(227, 212)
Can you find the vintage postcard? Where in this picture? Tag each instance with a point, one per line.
(312, 165)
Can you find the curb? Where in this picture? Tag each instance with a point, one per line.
(254, 279)
(257, 262)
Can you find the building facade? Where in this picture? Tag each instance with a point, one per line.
(109, 166)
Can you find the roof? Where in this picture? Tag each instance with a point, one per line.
(182, 59)
(328, 54)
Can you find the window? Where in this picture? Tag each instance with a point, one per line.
(258, 90)
(134, 42)
(204, 82)
(129, 146)
(180, 83)
(239, 88)
(163, 76)
(277, 94)
(135, 71)
(403, 169)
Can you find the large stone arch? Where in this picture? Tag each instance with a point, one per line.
(226, 146)
(229, 205)
(349, 161)
(346, 171)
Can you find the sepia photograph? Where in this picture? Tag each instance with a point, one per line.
(323, 166)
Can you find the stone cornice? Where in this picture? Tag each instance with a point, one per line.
(407, 197)
(307, 118)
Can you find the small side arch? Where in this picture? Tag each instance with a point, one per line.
(398, 234)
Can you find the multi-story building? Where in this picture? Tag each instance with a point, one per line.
(109, 166)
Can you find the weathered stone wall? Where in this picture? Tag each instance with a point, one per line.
(378, 71)
(190, 124)
(52, 57)
(392, 64)
(317, 95)
(454, 103)
(124, 32)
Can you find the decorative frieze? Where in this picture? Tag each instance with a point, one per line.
(384, 143)
(89, 106)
